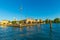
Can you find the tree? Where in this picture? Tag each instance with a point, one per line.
(41, 21)
(22, 21)
(47, 21)
(13, 22)
(57, 20)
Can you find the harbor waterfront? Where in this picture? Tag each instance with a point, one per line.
(28, 22)
(30, 29)
(40, 32)
(29, 19)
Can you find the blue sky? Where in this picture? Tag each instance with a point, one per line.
(37, 9)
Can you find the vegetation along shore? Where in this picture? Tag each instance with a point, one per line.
(28, 22)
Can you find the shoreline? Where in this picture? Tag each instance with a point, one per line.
(19, 25)
(22, 25)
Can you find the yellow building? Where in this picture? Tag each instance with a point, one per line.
(5, 22)
(30, 20)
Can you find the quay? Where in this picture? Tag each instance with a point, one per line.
(18, 25)
(28, 24)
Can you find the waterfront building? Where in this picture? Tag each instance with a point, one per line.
(28, 21)
(5, 22)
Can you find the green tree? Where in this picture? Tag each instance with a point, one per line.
(22, 21)
(41, 21)
(57, 20)
(13, 22)
(47, 21)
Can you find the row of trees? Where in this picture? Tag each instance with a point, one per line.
(56, 20)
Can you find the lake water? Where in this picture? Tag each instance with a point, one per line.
(37, 32)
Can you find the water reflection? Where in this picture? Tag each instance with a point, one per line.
(38, 28)
(30, 30)
(6, 33)
(50, 33)
(21, 29)
(3, 26)
(37, 32)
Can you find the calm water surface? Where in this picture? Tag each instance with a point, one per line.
(37, 32)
